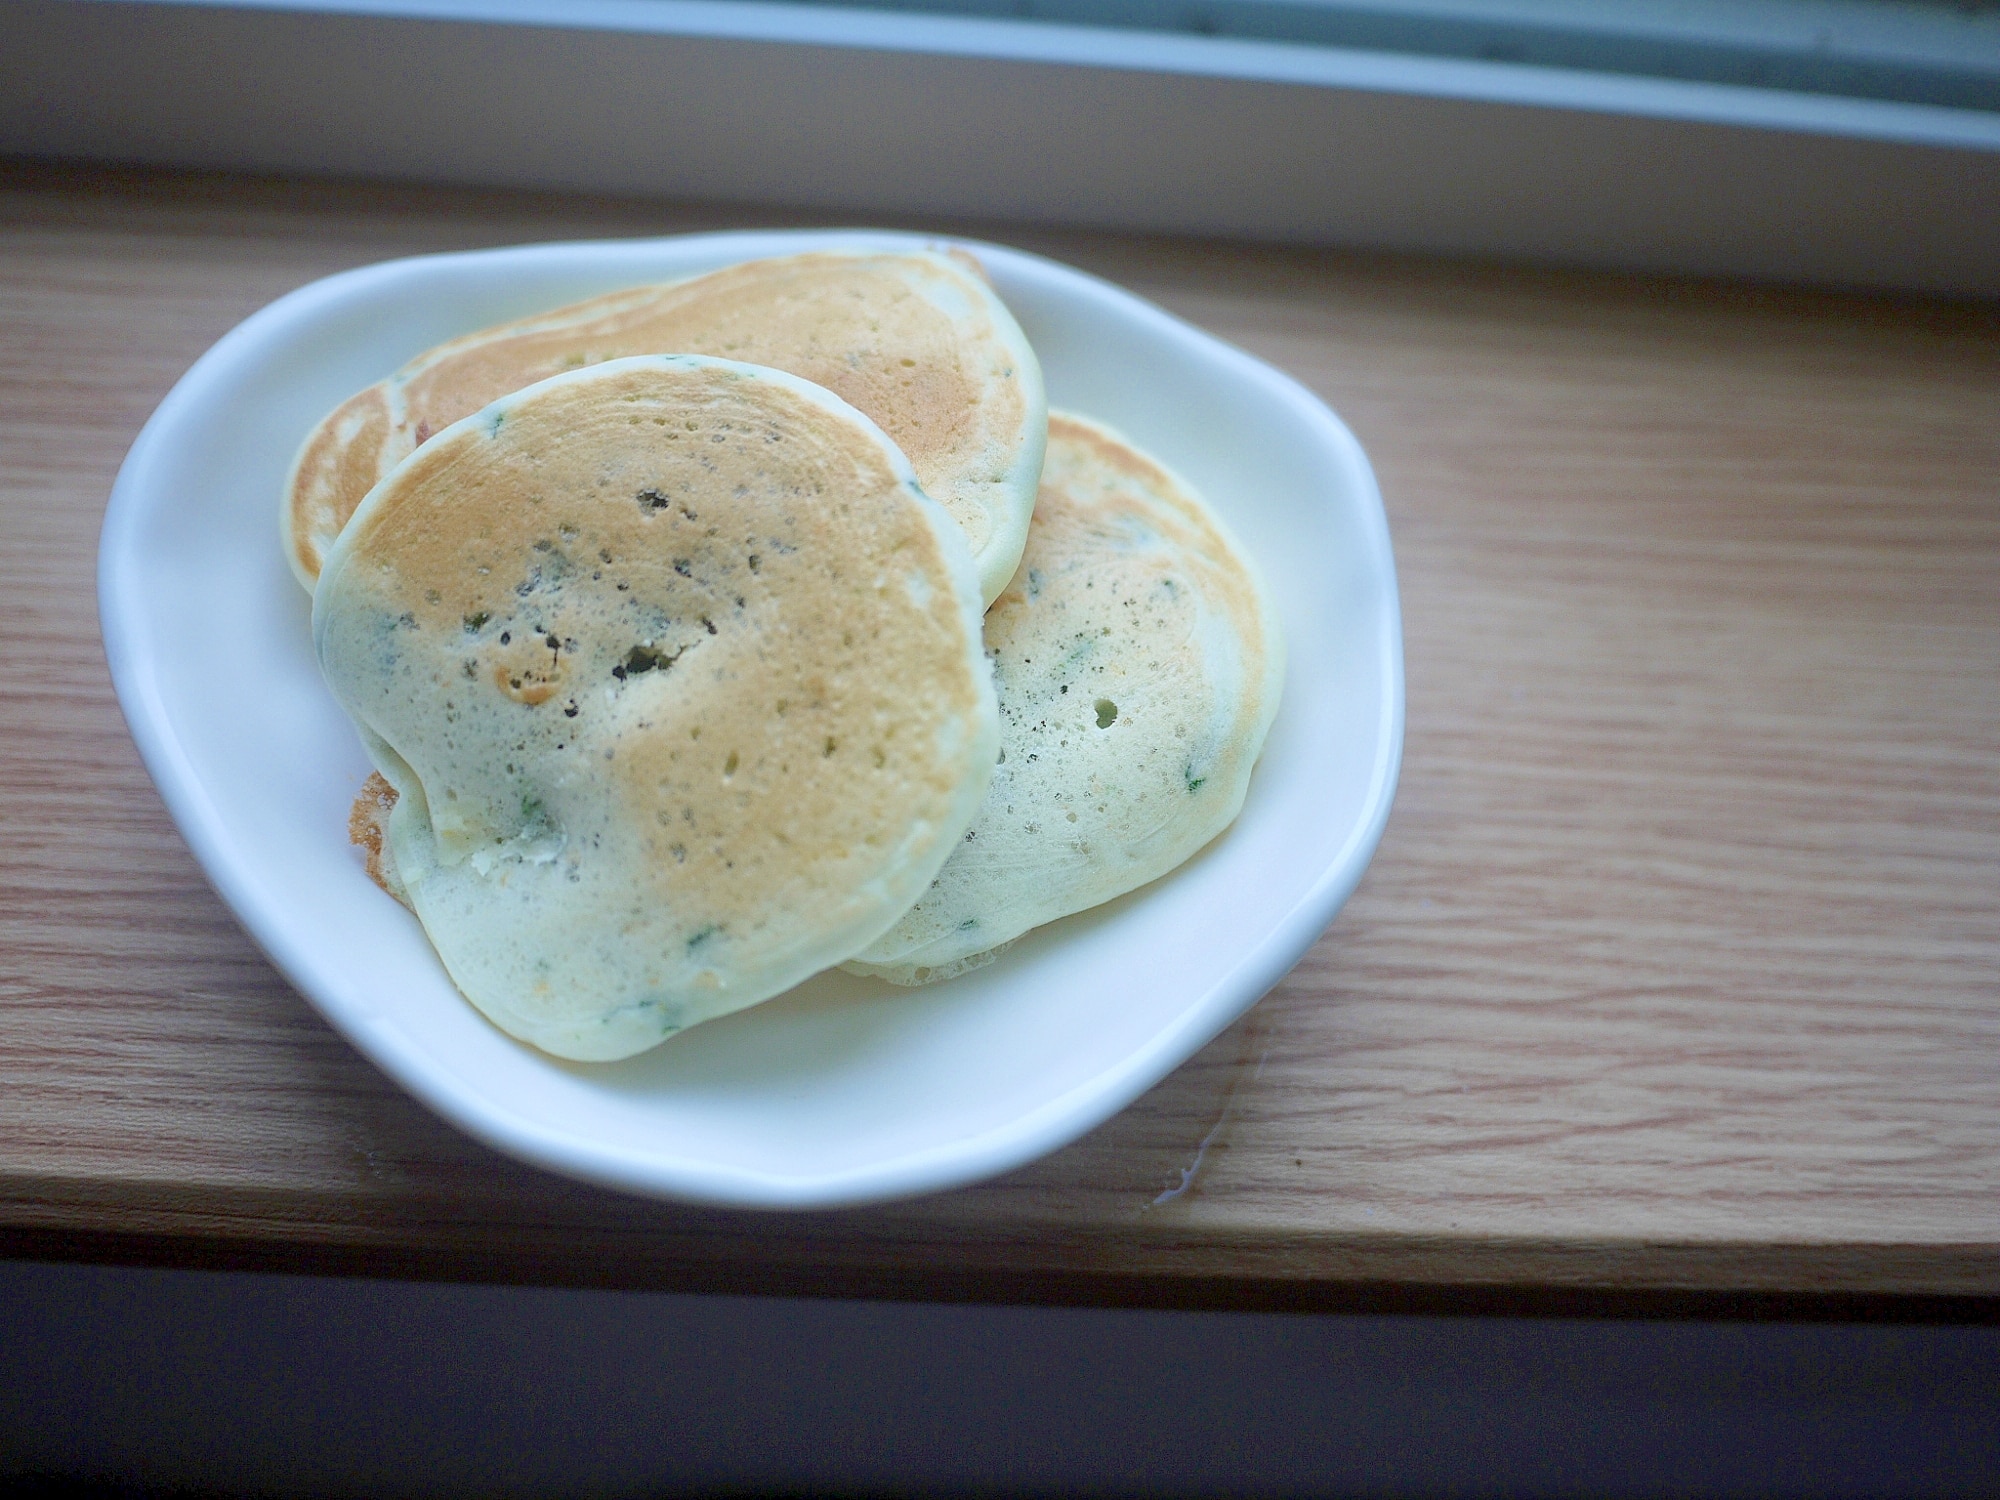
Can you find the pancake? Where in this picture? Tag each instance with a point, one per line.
(368, 830)
(915, 339)
(1139, 665)
(677, 677)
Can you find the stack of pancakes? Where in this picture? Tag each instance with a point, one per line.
(712, 634)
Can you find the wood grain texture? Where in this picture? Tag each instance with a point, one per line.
(1678, 969)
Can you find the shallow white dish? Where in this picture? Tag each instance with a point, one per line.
(845, 1090)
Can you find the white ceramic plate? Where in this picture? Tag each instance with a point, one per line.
(843, 1091)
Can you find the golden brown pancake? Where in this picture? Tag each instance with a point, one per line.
(1139, 665)
(914, 339)
(678, 679)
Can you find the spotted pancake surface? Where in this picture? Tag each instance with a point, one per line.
(917, 340)
(1139, 665)
(677, 678)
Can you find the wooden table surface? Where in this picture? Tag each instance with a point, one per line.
(1674, 986)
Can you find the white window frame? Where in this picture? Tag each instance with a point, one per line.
(903, 113)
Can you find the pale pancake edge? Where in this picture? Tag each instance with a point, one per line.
(677, 676)
(1139, 665)
(913, 338)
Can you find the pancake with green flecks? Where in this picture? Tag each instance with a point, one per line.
(677, 677)
(1138, 663)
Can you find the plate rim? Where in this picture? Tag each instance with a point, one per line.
(935, 1167)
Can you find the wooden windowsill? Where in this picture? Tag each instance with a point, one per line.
(1675, 984)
